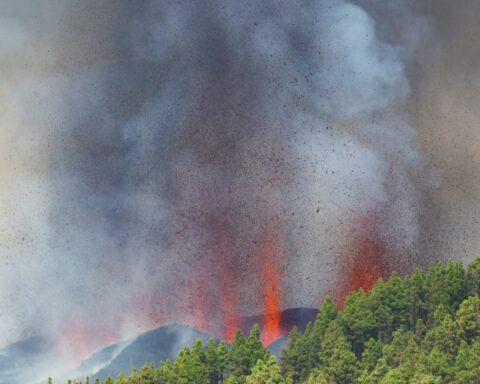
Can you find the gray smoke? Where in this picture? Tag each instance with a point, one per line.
(149, 148)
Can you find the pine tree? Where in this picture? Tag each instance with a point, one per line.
(359, 320)
(416, 293)
(371, 354)
(457, 285)
(473, 277)
(291, 357)
(422, 329)
(239, 360)
(223, 356)
(438, 365)
(341, 367)
(468, 318)
(266, 373)
(212, 362)
(467, 364)
(301, 354)
(256, 350)
(445, 336)
(326, 314)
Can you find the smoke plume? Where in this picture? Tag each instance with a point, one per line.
(181, 161)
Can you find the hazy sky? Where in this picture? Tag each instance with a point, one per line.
(154, 154)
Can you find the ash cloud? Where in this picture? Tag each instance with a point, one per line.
(150, 148)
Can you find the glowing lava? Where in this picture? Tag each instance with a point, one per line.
(199, 302)
(227, 287)
(212, 294)
(271, 256)
(364, 264)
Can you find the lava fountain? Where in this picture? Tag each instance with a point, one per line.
(271, 257)
(365, 261)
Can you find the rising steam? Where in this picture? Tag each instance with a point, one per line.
(182, 161)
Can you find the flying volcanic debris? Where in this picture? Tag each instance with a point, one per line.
(201, 162)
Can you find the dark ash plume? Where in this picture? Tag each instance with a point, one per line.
(159, 155)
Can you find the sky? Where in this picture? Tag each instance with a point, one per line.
(171, 161)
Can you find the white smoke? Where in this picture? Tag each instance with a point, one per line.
(129, 133)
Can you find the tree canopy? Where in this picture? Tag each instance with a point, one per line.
(423, 328)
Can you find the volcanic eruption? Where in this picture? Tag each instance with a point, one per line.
(207, 163)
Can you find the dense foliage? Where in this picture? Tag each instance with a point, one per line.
(422, 329)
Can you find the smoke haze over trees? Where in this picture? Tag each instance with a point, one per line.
(423, 328)
(197, 162)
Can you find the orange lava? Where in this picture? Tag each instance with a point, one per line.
(364, 264)
(212, 294)
(198, 293)
(271, 256)
(228, 297)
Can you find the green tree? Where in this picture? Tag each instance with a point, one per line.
(338, 363)
(166, 374)
(255, 348)
(444, 336)
(473, 277)
(266, 373)
(467, 364)
(122, 379)
(291, 357)
(416, 292)
(212, 363)
(189, 369)
(457, 285)
(239, 361)
(436, 291)
(421, 329)
(381, 369)
(468, 318)
(245, 353)
(326, 314)
(358, 319)
(223, 356)
(371, 354)
(389, 303)
(438, 365)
